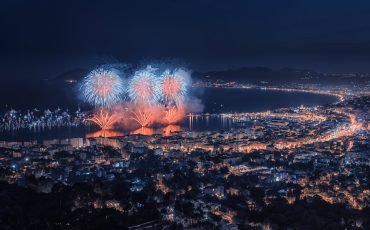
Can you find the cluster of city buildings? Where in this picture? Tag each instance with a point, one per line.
(290, 154)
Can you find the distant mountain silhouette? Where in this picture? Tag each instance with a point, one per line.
(252, 75)
(256, 75)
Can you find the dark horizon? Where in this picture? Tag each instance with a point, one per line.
(331, 36)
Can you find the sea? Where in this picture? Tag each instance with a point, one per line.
(209, 100)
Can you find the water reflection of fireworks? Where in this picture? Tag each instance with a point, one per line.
(104, 120)
(104, 133)
(143, 131)
(168, 130)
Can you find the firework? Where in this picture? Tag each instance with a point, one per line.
(153, 99)
(142, 117)
(174, 86)
(144, 87)
(103, 87)
(174, 114)
(170, 115)
(104, 120)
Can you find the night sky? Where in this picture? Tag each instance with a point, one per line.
(330, 35)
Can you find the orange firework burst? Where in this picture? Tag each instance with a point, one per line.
(143, 117)
(104, 120)
(174, 114)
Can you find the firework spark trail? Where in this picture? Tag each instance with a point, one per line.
(173, 114)
(153, 99)
(104, 133)
(104, 120)
(170, 115)
(103, 87)
(144, 87)
(142, 117)
(174, 86)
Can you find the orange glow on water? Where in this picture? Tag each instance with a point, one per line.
(143, 131)
(174, 114)
(104, 133)
(168, 130)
